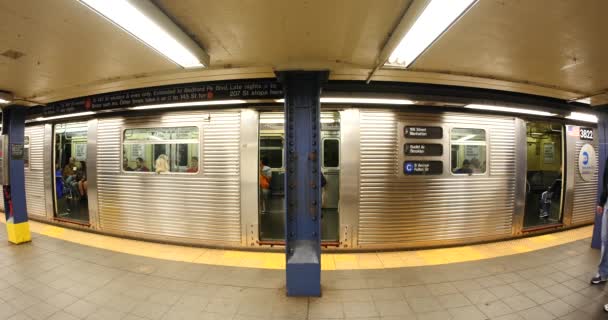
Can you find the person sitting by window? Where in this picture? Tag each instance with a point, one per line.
(162, 164)
(125, 164)
(476, 165)
(193, 165)
(140, 165)
(69, 169)
(79, 184)
(466, 168)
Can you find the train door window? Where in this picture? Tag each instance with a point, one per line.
(271, 149)
(544, 183)
(271, 177)
(331, 153)
(26, 152)
(468, 151)
(161, 150)
(70, 163)
(330, 190)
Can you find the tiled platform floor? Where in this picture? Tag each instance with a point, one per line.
(56, 279)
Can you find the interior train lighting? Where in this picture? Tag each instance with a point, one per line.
(72, 115)
(436, 18)
(360, 100)
(188, 104)
(143, 20)
(580, 116)
(509, 109)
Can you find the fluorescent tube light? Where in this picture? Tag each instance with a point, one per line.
(436, 18)
(273, 121)
(188, 104)
(366, 100)
(465, 138)
(508, 109)
(359, 100)
(2, 101)
(71, 115)
(582, 117)
(146, 22)
(584, 100)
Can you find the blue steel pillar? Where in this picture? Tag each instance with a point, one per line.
(602, 133)
(302, 91)
(13, 125)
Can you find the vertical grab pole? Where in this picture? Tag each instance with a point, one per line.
(302, 90)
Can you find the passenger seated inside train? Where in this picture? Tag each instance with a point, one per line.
(140, 165)
(125, 164)
(162, 164)
(547, 198)
(476, 165)
(193, 165)
(81, 180)
(465, 169)
(69, 168)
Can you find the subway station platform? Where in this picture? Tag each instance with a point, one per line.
(68, 274)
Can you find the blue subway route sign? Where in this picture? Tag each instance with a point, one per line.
(419, 168)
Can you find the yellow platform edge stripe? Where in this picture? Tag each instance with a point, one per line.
(329, 261)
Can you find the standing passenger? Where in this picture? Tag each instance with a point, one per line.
(602, 272)
(265, 178)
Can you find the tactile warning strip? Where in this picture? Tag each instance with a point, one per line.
(329, 261)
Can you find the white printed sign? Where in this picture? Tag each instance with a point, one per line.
(548, 152)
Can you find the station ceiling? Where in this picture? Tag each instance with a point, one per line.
(57, 49)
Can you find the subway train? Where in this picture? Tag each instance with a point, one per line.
(401, 177)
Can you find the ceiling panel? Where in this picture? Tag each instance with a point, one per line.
(547, 47)
(286, 33)
(66, 45)
(557, 43)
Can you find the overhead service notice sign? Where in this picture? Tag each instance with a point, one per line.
(414, 168)
(419, 132)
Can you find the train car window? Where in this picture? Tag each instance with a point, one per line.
(331, 153)
(26, 152)
(271, 149)
(468, 148)
(161, 150)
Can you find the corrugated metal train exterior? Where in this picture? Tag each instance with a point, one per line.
(379, 206)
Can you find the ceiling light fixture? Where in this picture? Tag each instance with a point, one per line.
(146, 22)
(5, 97)
(365, 100)
(360, 100)
(580, 116)
(188, 104)
(72, 115)
(436, 18)
(509, 109)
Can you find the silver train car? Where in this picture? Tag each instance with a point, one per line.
(396, 178)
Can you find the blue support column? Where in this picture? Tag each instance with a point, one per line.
(602, 133)
(13, 125)
(302, 91)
